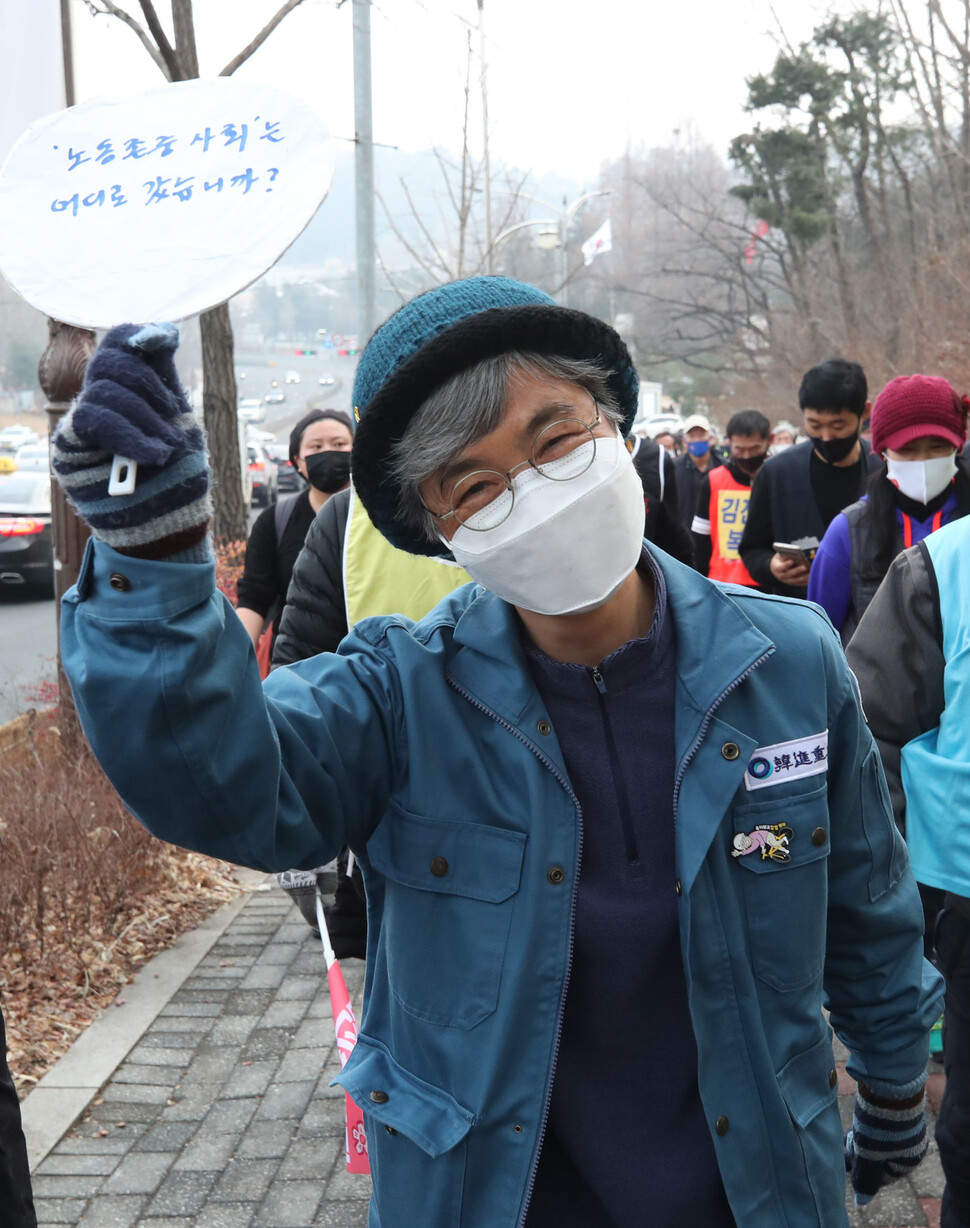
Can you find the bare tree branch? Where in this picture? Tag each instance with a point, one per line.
(260, 38)
(435, 268)
(165, 48)
(108, 8)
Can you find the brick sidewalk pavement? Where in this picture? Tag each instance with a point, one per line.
(222, 1117)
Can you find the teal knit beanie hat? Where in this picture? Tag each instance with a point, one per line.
(438, 335)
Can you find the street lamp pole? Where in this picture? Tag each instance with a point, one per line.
(364, 172)
(562, 221)
(486, 169)
(568, 213)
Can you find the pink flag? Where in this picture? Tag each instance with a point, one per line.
(345, 1025)
(346, 1028)
(751, 248)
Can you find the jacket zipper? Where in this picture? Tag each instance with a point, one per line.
(547, 1095)
(619, 781)
(708, 715)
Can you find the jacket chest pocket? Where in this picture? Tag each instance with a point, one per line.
(781, 848)
(449, 893)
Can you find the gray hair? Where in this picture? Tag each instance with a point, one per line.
(468, 407)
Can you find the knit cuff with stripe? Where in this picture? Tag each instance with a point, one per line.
(888, 1136)
(132, 405)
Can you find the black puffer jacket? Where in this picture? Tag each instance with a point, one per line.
(315, 615)
(314, 620)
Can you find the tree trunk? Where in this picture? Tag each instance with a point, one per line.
(218, 374)
(219, 409)
(184, 28)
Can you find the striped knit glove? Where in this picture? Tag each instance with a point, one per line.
(888, 1136)
(132, 405)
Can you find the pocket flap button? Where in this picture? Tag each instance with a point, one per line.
(439, 867)
(722, 1125)
(730, 750)
(819, 836)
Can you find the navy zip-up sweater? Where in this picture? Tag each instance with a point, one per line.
(626, 1136)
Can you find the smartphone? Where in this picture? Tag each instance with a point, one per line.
(799, 554)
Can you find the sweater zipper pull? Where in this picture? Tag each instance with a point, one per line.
(598, 679)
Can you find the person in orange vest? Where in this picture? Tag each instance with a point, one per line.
(722, 500)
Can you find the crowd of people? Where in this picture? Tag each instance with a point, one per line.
(556, 696)
(849, 518)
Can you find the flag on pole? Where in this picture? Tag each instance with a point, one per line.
(345, 1025)
(598, 243)
(751, 248)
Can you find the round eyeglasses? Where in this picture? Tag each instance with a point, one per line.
(484, 499)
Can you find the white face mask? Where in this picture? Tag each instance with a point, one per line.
(922, 480)
(566, 546)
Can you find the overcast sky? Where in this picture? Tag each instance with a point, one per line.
(569, 83)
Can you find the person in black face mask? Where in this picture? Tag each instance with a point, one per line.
(801, 490)
(320, 446)
(722, 500)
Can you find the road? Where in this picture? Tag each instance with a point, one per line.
(259, 374)
(28, 650)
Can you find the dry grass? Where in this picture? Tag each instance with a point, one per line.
(86, 894)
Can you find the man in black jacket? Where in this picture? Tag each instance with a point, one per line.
(799, 492)
(700, 456)
(662, 524)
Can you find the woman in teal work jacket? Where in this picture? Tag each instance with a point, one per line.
(623, 830)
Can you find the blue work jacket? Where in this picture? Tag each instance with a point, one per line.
(426, 747)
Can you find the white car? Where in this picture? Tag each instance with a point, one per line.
(14, 437)
(292, 377)
(254, 434)
(326, 380)
(661, 424)
(33, 458)
(251, 410)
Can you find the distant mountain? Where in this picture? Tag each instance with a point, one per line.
(330, 236)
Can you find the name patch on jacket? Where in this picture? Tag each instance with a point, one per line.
(776, 765)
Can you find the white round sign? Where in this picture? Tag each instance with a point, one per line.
(161, 204)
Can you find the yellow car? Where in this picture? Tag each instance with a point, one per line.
(7, 464)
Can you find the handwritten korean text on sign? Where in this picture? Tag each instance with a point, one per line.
(160, 204)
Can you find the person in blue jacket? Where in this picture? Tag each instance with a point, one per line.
(623, 831)
(912, 641)
(919, 425)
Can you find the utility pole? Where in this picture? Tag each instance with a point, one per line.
(67, 47)
(566, 218)
(489, 261)
(364, 173)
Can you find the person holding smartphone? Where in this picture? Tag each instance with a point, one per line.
(801, 490)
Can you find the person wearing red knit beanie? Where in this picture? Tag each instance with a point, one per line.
(919, 425)
(913, 407)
